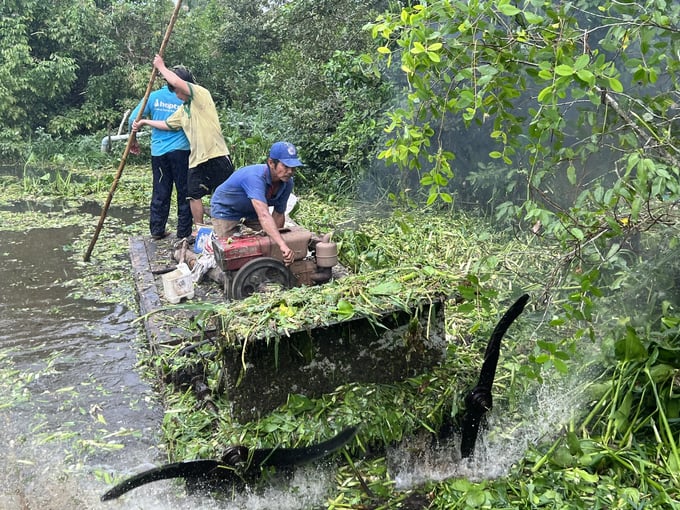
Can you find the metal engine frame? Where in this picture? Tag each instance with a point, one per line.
(253, 263)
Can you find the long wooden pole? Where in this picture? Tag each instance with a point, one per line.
(132, 137)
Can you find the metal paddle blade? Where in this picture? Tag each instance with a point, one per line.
(472, 419)
(288, 457)
(488, 372)
(480, 400)
(186, 469)
(237, 463)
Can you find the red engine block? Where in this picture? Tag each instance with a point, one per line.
(232, 253)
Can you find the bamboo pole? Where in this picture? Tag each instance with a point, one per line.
(132, 137)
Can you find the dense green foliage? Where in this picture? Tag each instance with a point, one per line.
(561, 117)
(578, 99)
(277, 70)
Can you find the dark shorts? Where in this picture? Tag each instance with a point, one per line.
(204, 179)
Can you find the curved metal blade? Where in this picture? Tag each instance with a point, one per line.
(285, 457)
(493, 348)
(189, 468)
(230, 469)
(479, 400)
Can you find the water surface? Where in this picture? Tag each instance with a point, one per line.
(75, 409)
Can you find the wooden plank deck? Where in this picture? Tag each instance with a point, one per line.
(149, 260)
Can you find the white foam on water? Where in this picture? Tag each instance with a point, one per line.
(502, 443)
(308, 487)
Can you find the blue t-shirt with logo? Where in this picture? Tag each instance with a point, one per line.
(161, 104)
(232, 198)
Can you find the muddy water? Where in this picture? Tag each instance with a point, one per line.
(74, 407)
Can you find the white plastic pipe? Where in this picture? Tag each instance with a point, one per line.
(108, 140)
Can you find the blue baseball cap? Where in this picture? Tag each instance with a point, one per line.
(286, 153)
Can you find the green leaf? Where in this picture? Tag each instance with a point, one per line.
(426, 180)
(461, 484)
(586, 476)
(509, 10)
(564, 70)
(653, 76)
(577, 233)
(561, 366)
(440, 179)
(475, 498)
(545, 74)
(388, 288)
(464, 26)
(622, 414)
(532, 18)
(630, 347)
(345, 309)
(661, 373)
(615, 85)
(543, 94)
(582, 61)
(434, 57)
(571, 174)
(586, 76)
(548, 346)
(270, 427)
(562, 457)
(574, 443)
(542, 358)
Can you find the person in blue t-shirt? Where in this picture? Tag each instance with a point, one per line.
(245, 197)
(169, 163)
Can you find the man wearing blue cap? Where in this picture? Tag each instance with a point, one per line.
(245, 197)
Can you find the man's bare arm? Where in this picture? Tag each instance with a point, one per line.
(175, 81)
(279, 219)
(158, 124)
(270, 227)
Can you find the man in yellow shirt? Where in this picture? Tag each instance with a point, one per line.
(209, 160)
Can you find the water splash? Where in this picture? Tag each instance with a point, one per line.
(502, 443)
(306, 487)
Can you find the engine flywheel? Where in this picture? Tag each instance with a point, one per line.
(263, 274)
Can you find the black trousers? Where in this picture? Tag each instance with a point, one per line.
(170, 169)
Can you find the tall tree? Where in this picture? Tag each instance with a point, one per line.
(65, 63)
(317, 82)
(33, 75)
